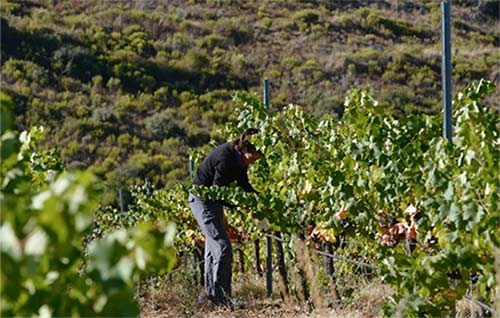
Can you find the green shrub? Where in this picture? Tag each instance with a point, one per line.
(70, 84)
(212, 41)
(392, 75)
(163, 125)
(267, 22)
(399, 98)
(75, 61)
(272, 74)
(6, 117)
(103, 114)
(469, 67)
(279, 99)
(291, 62)
(308, 16)
(351, 68)
(347, 21)
(238, 64)
(234, 29)
(78, 21)
(72, 150)
(178, 43)
(195, 28)
(131, 70)
(424, 77)
(365, 55)
(375, 21)
(24, 71)
(289, 25)
(195, 60)
(97, 83)
(481, 38)
(114, 84)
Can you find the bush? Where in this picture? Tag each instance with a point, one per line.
(238, 64)
(195, 60)
(267, 22)
(178, 43)
(234, 29)
(365, 55)
(137, 40)
(399, 98)
(103, 114)
(70, 84)
(163, 125)
(131, 70)
(308, 16)
(375, 21)
(75, 61)
(212, 41)
(114, 84)
(25, 71)
(348, 21)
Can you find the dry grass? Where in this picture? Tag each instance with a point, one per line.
(178, 297)
(361, 297)
(176, 300)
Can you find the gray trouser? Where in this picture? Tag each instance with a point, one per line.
(218, 251)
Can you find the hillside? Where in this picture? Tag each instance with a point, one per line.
(127, 88)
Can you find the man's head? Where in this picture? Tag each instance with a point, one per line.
(249, 158)
(250, 153)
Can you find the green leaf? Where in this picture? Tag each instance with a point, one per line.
(448, 195)
(6, 118)
(424, 292)
(36, 242)
(454, 212)
(9, 243)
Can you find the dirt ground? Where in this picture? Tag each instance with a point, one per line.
(178, 298)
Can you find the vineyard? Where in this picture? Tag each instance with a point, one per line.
(422, 209)
(418, 211)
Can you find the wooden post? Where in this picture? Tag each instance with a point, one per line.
(281, 262)
(301, 268)
(241, 259)
(269, 266)
(256, 247)
(330, 269)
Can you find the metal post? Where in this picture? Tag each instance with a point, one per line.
(269, 265)
(446, 69)
(266, 93)
(269, 243)
(148, 186)
(122, 200)
(191, 168)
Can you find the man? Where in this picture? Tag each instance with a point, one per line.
(225, 164)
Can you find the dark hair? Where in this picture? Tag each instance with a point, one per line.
(242, 144)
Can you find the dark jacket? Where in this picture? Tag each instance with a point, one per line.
(221, 167)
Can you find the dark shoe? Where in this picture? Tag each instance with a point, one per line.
(225, 303)
(232, 303)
